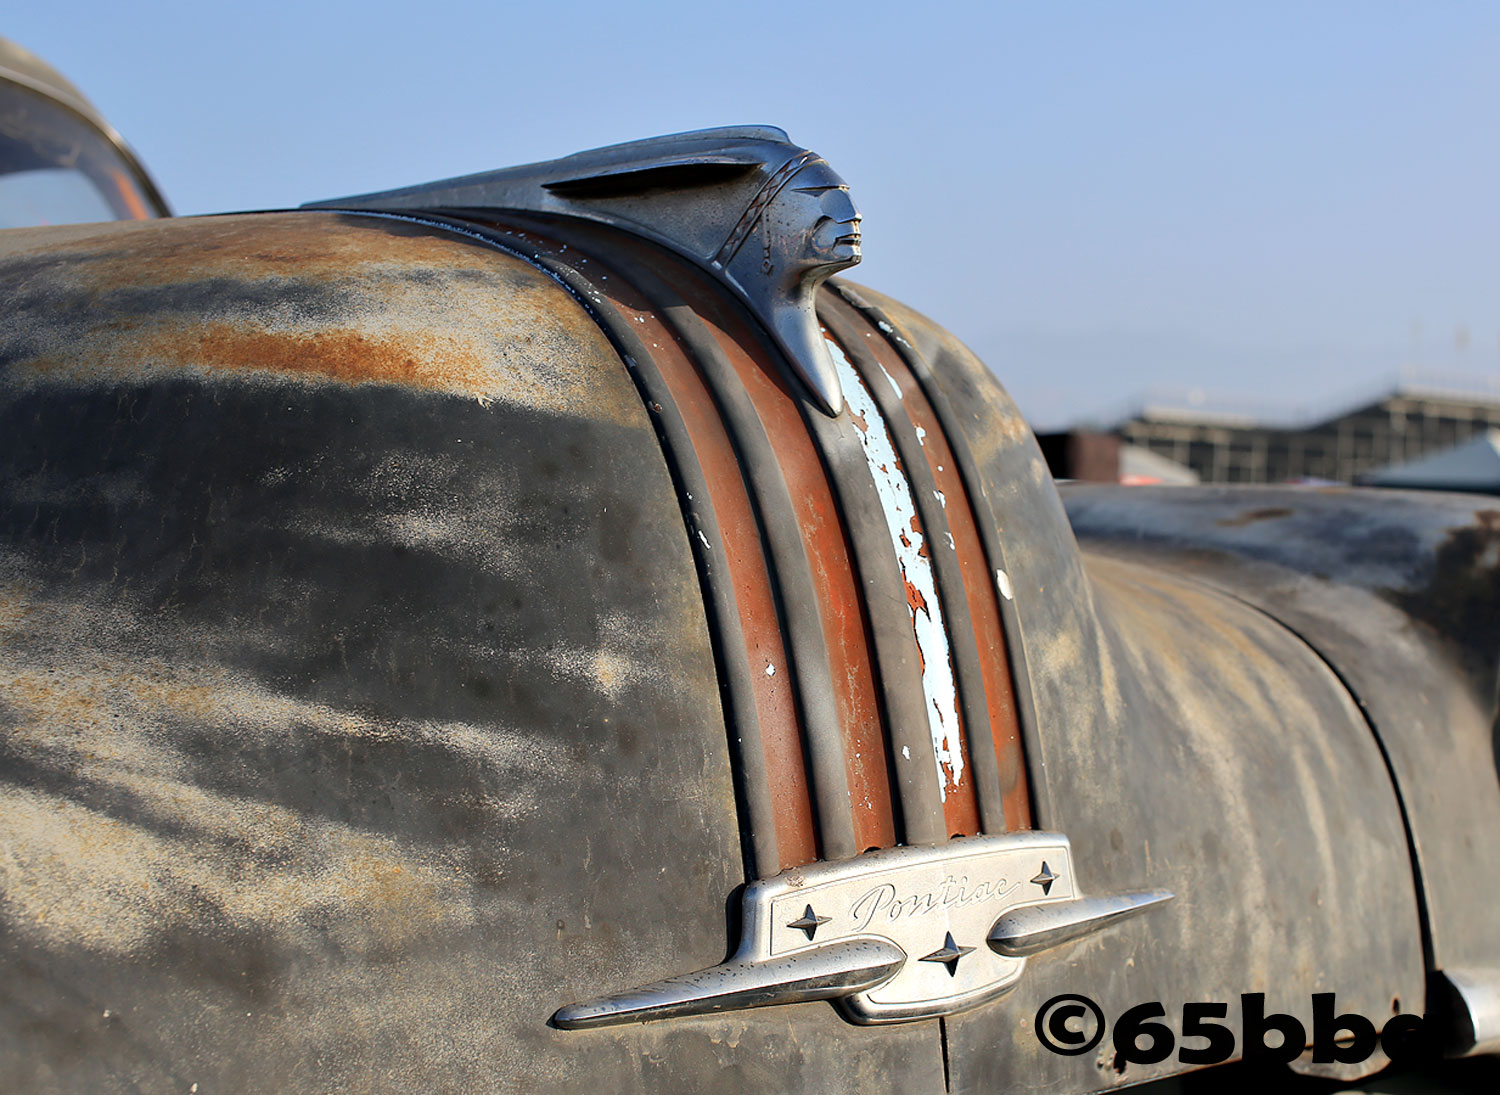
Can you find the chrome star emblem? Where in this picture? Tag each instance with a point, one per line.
(949, 955)
(809, 922)
(1045, 879)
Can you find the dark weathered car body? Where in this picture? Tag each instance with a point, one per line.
(435, 625)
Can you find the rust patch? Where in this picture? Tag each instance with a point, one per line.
(1249, 517)
(350, 356)
(914, 599)
(780, 728)
(311, 297)
(840, 601)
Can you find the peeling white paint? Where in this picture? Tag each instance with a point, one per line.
(770, 670)
(889, 379)
(942, 501)
(898, 504)
(888, 329)
(905, 753)
(703, 538)
(1002, 580)
(951, 546)
(922, 439)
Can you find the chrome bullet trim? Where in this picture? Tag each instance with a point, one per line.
(1029, 929)
(834, 969)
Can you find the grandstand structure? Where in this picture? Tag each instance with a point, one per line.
(1419, 414)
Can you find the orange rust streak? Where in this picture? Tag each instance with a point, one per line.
(339, 354)
(979, 584)
(840, 599)
(914, 598)
(780, 728)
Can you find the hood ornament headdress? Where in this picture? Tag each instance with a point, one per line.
(768, 218)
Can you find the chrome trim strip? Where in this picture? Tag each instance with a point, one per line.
(1035, 928)
(897, 663)
(963, 651)
(787, 557)
(836, 969)
(915, 553)
(987, 518)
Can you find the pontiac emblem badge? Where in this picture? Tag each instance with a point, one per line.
(862, 933)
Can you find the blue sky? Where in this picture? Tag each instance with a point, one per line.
(1278, 203)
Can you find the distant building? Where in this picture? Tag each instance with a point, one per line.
(1411, 421)
(1096, 457)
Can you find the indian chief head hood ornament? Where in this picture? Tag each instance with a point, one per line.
(771, 219)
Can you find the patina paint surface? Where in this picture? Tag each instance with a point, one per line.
(356, 703)
(1224, 762)
(309, 297)
(1400, 593)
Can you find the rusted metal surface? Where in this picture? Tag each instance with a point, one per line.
(842, 635)
(331, 584)
(983, 601)
(779, 728)
(310, 297)
(980, 589)
(306, 679)
(796, 830)
(765, 220)
(821, 528)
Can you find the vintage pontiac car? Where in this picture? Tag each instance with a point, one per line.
(537, 632)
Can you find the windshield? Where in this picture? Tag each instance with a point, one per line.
(57, 169)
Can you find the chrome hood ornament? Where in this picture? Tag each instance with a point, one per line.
(770, 219)
(905, 934)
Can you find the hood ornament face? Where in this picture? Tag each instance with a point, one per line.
(892, 936)
(771, 220)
